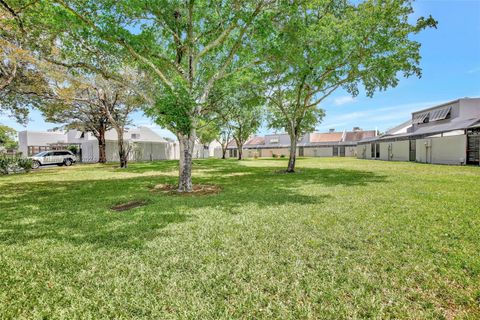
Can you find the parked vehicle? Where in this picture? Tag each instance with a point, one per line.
(58, 157)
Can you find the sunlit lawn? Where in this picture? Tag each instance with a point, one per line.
(343, 238)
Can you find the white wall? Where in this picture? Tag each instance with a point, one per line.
(362, 151)
(395, 150)
(385, 151)
(141, 151)
(443, 150)
(350, 151)
(400, 151)
(318, 152)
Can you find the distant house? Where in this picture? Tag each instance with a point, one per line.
(146, 144)
(448, 133)
(328, 144)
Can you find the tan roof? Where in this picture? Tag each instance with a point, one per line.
(255, 141)
(326, 137)
(232, 143)
(359, 135)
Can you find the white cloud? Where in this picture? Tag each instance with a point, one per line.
(340, 101)
(474, 70)
(383, 118)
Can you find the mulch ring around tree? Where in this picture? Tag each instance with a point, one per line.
(129, 205)
(198, 189)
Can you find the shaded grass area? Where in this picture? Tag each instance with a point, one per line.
(344, 238)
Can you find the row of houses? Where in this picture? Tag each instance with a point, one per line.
(447, 133)
(146, 144)
(316, 144)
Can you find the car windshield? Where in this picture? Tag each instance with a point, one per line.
(41, 154)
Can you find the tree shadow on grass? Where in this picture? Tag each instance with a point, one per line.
(79, 212)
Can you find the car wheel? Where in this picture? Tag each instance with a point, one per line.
(35, 164)
(68, 162)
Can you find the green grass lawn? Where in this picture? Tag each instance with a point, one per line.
(343, 238)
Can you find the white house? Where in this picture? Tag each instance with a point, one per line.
(146, 144)
(448, 133)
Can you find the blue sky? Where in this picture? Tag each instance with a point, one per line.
(451, 70)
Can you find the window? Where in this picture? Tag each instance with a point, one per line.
(335, 151)
(372, 149)
(377, 147)
(233, 153)
(135, 136)
(274, 140)
(441, 114)
(420, 118)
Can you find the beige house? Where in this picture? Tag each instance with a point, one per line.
(316, 144)
(448, 133)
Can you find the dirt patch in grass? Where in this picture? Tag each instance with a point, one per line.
(129, 205)
(198, 189)
(284, 171)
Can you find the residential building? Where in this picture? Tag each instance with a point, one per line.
(145, 143)
(328, 144)
(448, 133)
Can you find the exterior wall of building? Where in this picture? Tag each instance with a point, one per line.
(38, 138)
(469, 108)
(362, 151)
(278, 151)
(442, 150)
(394, 151)
(141, 151)
(318, 152)
(350, 151)
(385, 151)
(400, 150)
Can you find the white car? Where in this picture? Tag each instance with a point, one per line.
(58, 157)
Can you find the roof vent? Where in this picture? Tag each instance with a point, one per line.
(357, 129)
(331, 130)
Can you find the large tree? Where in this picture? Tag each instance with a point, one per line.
(317, 47)
(77, 107)
(116, 102)
(186, 46)
(23, 78)
(239, 104)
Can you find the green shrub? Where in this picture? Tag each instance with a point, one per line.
(73, 149)
(5, 163)
(25, 164)
(282, 156)
(14, 164)
(274, 155)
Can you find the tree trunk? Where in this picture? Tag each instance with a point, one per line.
(102, 156)
(187, 144)
(122, 148)
(240, 151)
(224, 152)
(293, 153)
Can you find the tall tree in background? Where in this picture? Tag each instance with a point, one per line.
(224, 138)
(239, 103)
(317, 47)
(117, 101)
(186, 46)
(78, 108)
(7, 138)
